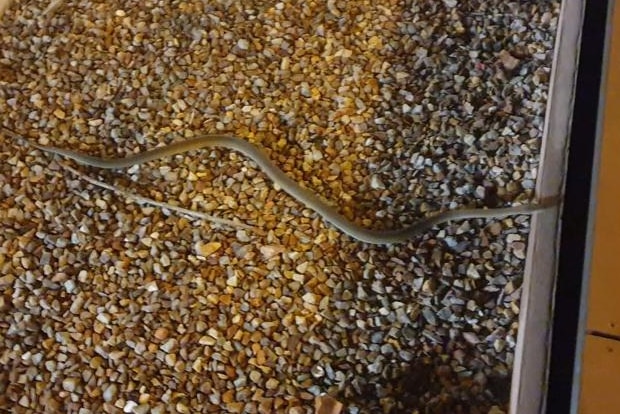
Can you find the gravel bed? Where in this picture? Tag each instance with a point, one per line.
(390, 110)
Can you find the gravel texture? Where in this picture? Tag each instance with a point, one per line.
(390, 110)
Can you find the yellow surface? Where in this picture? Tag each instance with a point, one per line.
(600, 377)
(604, 303)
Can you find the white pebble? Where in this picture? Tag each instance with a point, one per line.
(110, 392)
(243, 44)
(472, 271)
(232, 281)
(129, 406)
(70, 384)
(310, 298)
(376, 183)
(104, 318)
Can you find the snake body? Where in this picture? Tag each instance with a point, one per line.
(303, 195)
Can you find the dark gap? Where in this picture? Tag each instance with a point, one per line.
(576, 215)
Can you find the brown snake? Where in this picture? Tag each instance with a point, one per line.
(306, 197)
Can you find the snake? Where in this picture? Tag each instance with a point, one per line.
(301, 194)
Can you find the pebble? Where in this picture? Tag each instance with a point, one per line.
(129, 406)
(270, 251)
(389, 111)
(243, 44)
(272, 384)
(169, 345)
(376, 183)
(472, 272)
(161, 333)
(207, 249)
(508, 61)
(70, 384)
(110, 392)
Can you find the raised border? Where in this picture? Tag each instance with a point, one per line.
(530, 370)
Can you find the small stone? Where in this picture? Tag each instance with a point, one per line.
(519, 248)
(375, 42)
(317, 371)
(101, 204)
(376, 183)
(232, 281)
(508, 61)
(325, 404)
(24, 401)
(405, 355)
(255, 376)
(207, 340)
(170, 359)
(169, 345)
(270, 251)
(109, 394)
(161, 333)
(513, 237)
(198, 365)
(472, 272)
(70, 384)
(207, 249)
(429, 315)
(243, 44)
(272, 384)
(104, 318)
(242, 236)
(182, 408)
(471, 337)
(495, 228)
(310, 298)
(129, 406)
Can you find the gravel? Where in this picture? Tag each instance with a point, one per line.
(391, 111)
